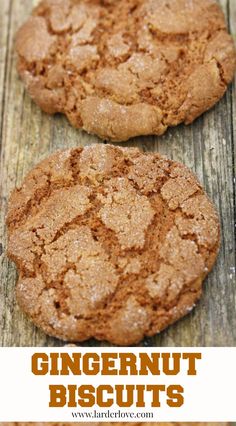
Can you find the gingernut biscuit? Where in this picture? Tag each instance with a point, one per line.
(110, 243)
(120, 69)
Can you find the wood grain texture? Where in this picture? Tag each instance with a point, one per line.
(206, 146)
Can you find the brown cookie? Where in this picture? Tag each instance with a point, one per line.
(119, 424)
(125, 68)
(110, 243)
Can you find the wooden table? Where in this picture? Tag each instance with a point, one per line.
(206, 146)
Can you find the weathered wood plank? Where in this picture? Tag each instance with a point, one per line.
(206, 146)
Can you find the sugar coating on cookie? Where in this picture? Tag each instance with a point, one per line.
(125, 68)
(110, 243)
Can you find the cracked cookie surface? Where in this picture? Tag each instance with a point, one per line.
(110, 243)
(125, 68)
